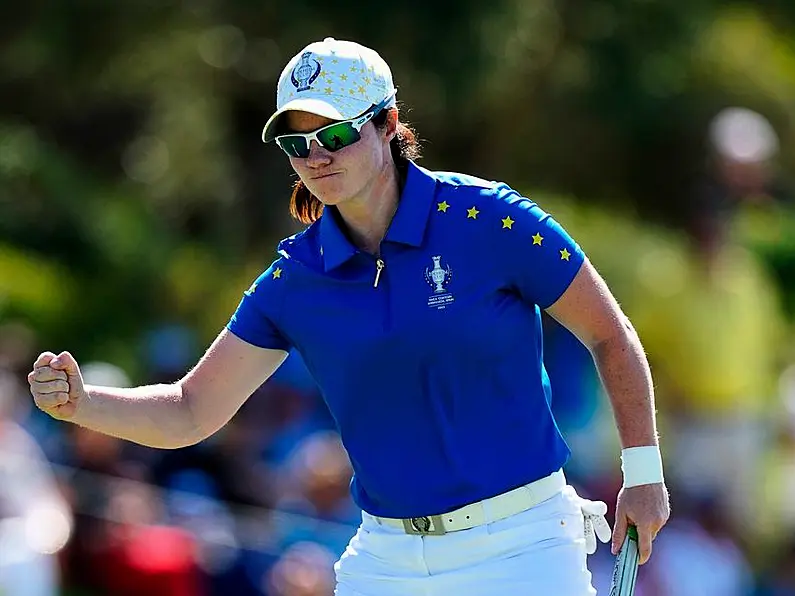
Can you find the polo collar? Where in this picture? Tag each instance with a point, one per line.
(407, 227)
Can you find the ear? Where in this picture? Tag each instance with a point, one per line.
(390, 128)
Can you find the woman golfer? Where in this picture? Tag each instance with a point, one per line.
(414, 297)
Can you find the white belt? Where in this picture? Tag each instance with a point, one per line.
(485, 511)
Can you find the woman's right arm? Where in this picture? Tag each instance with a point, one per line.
(163, 416)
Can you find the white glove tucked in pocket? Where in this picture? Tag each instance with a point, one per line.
(596, 526)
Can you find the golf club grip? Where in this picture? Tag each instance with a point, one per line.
(625, 571)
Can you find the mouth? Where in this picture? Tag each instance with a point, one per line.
(322, 176)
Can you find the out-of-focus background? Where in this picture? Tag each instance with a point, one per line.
(137, 204)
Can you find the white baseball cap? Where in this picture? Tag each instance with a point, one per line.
(331, 78)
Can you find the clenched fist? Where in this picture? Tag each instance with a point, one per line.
(56, 384)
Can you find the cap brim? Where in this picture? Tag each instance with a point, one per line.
(301, 104)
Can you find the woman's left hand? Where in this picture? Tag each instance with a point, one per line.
(647, 508)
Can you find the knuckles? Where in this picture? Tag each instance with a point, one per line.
(45, 401)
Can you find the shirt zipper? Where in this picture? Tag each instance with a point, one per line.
(379, 266)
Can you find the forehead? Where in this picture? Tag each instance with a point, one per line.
(297, 121)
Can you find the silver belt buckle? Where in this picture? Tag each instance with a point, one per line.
(427, 525)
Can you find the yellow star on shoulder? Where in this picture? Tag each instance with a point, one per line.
(443, 206)
(328, 90)
(277, 273)
(508, 222)
(472, 213)
(343, 77)
(537, 239)
(565, 254)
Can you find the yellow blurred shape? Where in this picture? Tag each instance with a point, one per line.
(32, 283)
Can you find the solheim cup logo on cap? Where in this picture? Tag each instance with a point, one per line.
(304, 74)
(439, 278)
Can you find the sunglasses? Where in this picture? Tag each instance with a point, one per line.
(332, 137)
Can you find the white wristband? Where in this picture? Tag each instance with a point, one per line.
(641, 465)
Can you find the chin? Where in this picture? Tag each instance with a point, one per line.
(330, 199)
(329, 195)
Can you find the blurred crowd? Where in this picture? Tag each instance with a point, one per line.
(263, 507)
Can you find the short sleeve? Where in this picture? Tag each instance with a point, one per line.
(538, 256)
(256, 318)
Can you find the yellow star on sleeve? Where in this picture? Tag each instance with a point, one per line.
(565, 254)
(508, 222)
(537, 239)
(443, 206)
(277, 273)
(472, 213)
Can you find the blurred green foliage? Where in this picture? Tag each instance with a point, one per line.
(134, 188)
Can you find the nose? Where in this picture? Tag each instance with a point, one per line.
(318, 155)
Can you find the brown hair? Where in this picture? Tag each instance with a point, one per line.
(307, 208)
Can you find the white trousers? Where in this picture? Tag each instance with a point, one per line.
(539, 552)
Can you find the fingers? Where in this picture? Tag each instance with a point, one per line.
(56, 386)
(49, 401)
(65, 362)
(646, 507)
(44, 359)
(619, 531)
(46, 373)
(52, 380)
(644, 544)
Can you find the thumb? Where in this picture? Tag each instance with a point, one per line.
(67, 363)
(619, 531)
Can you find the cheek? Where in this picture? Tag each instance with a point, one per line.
(358, 162)
(299, 167)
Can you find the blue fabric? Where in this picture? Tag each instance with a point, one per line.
(435, 376)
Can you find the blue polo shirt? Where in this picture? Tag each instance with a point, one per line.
(432, 369)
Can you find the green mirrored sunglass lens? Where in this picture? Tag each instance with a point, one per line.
(339, 136)
(294, 146)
